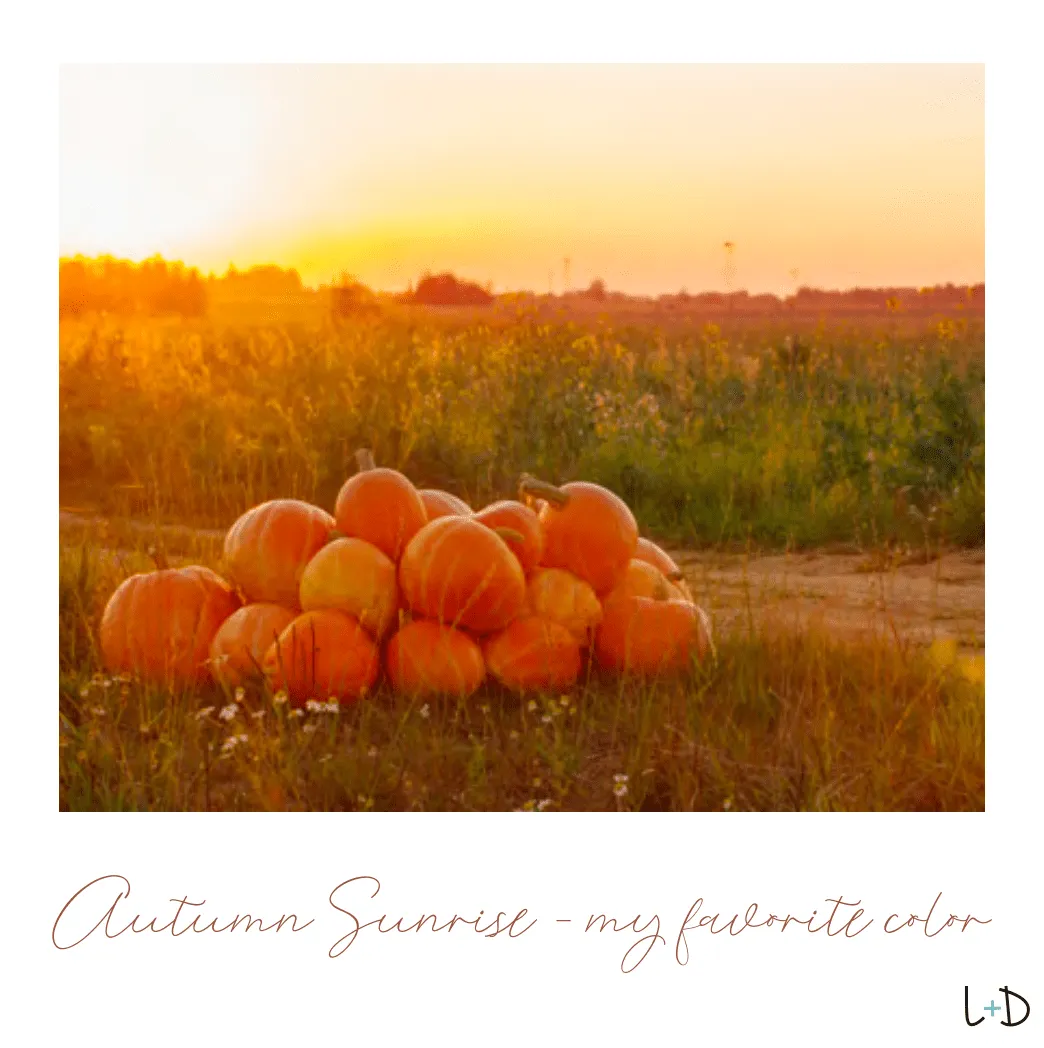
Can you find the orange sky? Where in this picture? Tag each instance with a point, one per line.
(851, 175)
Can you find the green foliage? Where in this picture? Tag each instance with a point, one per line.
(714, 437)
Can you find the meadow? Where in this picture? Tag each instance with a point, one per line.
(863, 436)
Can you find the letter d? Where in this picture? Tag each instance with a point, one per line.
(1007, 1006)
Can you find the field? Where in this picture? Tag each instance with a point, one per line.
(823, 488)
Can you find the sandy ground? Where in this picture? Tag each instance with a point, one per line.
(852, 593)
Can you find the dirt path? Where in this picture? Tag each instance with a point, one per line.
(850, 593)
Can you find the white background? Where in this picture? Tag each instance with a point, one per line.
(554, 984)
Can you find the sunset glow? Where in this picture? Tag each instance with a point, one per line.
(831, 176)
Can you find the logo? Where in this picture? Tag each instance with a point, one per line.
(993, 1008)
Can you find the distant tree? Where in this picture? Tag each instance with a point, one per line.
(444, 289)
(596, 290)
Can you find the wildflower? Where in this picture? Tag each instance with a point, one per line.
(257, 714)
(543, 805)
(620, 785)
(563, 700)
(513, 735)
(309, 728)
(297, 713)
(84, 692)
(205, 712)
(333, 706)
(240, 694)
(546, 719)
(371, 752)
(98, 711)
(279, 698)
(726, 804)
(314, 706)
(425, 712)
(228, 712)
(325, 757)
(532, 706)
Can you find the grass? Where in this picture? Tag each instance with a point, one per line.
(865, 436)
(778, 722)
(750, 437)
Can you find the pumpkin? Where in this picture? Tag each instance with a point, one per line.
(245, 636)
(563, 598)
(533, 653)
(267, 548)
(528, 541)
(380, 506)
(426, 658)
(321, 655)
(641, 579)
(649, 552)
(442, 504)
(587, 530)
(461, 573)
(355, 577)
(647, 636)
(158, 625)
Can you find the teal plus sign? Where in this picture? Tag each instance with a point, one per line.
(992, 1009)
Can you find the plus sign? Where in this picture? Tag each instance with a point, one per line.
(992, 1009)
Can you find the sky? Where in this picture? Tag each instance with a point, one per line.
(830, 176)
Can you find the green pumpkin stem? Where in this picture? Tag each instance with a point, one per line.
(364, 457)
(530, 485)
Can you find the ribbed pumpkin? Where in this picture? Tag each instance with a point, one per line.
(533, 653)
(648, 551)
(587, 530)
(528, 544)
(159, 625)
(239, 646)
(647, 636)
(322, 655)
(267, 548)
(563, 598)
(380, 506)
(461, 573)
(355, 577)
(439, 503)
(652, 554)
(641, 579)
(426, 658)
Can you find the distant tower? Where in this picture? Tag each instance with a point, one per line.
(566, 285)
(729, 269)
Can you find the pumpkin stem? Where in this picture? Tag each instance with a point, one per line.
(674, 576)
(510, 534)
(159, 558)
(530, 485)
(364, 457)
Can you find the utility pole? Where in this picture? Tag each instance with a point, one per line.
(566, 285)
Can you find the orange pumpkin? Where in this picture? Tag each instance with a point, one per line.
(563, 598)
(527, 542)
(641, 579)
(159, 625)
(533, 653)
(267, 548)
(442, 504)
(461, 573)
(239, 646)
(647, 636)
(587, 530)
(322, 655)
(380, 506)
(425, 658)
(649, 552)
(355, 577)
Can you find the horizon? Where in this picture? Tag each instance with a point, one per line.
(541, 178)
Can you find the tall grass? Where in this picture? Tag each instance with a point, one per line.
(778, 722)
(715, 438)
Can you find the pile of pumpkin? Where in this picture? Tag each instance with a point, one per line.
(413, 580)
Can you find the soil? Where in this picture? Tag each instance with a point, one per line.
(916, 600)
